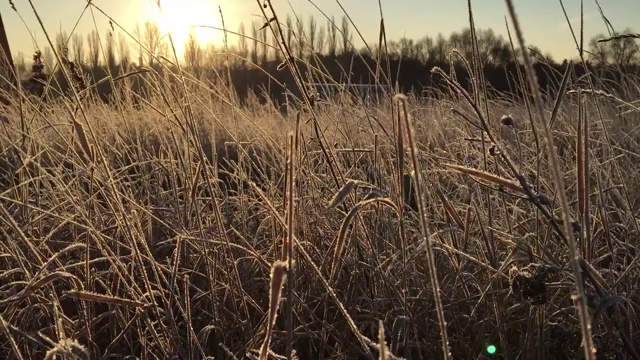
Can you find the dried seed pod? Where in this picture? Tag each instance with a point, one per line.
(507, 120)
(493, 150)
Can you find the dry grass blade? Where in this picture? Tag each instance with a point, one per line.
(580, 297)
(382, 355)
(342, 194)
(619, 37)
(12, 341)
(426, 233)
(36, 285)
(68, 349)
(561, 92)
(278, 278)
(84, 142)
(363, 340)
(342, 234)
(583, 179)
(101, 298)
(483, 175)
(450, 209)
(143, 207)
(289, 248)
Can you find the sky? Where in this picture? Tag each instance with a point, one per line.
(542, 21)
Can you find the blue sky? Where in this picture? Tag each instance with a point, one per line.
(542, 20)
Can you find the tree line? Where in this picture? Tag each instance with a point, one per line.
(324, 51)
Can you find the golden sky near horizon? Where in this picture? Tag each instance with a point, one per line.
(543, 21)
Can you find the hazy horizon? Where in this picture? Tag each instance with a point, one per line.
(543, 21)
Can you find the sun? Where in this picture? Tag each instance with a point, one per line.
(181, 17)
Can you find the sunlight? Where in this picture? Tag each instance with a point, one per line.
(179, 17)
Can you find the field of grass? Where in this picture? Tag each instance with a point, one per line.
(188, 226)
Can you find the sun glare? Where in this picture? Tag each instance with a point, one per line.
(180, 17)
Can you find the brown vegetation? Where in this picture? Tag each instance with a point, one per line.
(183, 218)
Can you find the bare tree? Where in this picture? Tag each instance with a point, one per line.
(599, 51)
(621, 51)
(440, 49)
(321, 40)
(211, 58)
(500, 52)
(425, 46)
(93, 42)
(77, 48)
(300, 35)
(624, 50)
(405, 48)
(313, 34)
(264, 54)
(49, 59)
(347, 37)
(243, 47)
(277, 55)
(254, 42)
(20, 63)
(110, 52)
(462, 42)
(289, 40)
(154, 42)
(333, 37)
(138, 34)
(193, 54)
(124, 52)
(62, 46)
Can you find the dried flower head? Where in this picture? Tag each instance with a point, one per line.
(507, 120)
(493, 150)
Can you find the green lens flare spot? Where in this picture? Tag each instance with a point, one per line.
(491, 349)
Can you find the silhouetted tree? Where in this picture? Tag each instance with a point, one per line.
(254, 42)
(193, 54)
(411, 72)
(49, 59)
(110, 53)
(313, 34)
(440, 49)
(405, 48)
(333, 37)
(425, 50)
(93, 42)
(77, 48)
(599, 52)
(300, 35)
(138, 34)
(622, 51)
(243, 48)
(321, 40)
(264, 44)
(501, 53)
(277, 54)
(124, 53)
(154, 42)
(347, 37)
(289, 36)
(462, 42)
(62, 46)
(20, 63)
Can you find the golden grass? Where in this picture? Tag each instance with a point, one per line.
(175, 228)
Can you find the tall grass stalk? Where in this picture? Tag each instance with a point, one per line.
(426, 233)
(161, 212)
(579, 297)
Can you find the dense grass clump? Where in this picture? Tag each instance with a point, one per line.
(184, 225)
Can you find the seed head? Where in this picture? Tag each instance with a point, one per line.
(507, 120)
(493, 150)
